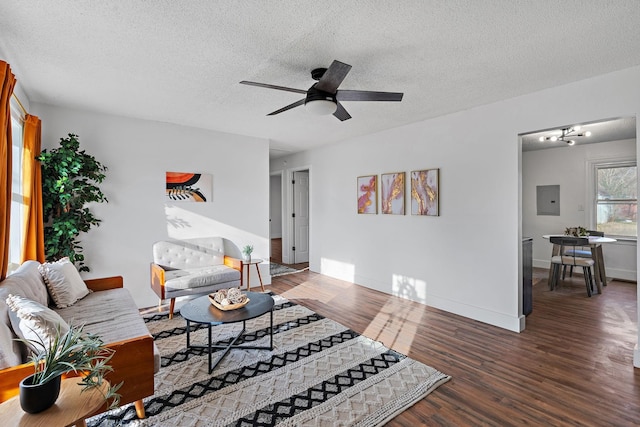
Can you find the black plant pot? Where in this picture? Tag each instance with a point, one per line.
(36, 398)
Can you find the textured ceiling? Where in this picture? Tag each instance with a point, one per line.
(181, 61)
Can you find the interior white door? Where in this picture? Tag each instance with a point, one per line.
(301, 216)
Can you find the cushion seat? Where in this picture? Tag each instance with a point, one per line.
(578, 253)
(199, 277)
(570, 260)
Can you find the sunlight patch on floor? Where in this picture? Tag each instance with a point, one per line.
(322, 294)
(396, 325)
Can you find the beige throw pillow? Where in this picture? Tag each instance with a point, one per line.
(33, 321)
(63, 282)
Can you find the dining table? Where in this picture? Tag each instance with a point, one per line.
(595, 244)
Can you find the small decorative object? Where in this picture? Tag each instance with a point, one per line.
(72, 351)
(368, 194)
(425, 192)
(228, 299)
(576, 231)
(393, 193)
(246, 252)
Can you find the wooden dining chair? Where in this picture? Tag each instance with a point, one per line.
(583, 252)
(562, 260)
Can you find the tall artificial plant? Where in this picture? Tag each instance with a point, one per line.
(69, 183)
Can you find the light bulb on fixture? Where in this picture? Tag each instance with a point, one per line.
(321, 107)
(565, 133)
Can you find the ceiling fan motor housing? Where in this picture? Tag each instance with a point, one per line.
(317, 73)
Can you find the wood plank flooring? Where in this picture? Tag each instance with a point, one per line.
(573, 365)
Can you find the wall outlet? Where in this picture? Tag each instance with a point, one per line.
(580, 208)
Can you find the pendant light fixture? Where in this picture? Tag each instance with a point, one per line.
(567, 135)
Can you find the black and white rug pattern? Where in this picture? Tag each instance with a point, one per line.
(320, 373)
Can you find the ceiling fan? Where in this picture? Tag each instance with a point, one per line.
(324, 97)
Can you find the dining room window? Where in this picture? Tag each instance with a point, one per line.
(616, 198)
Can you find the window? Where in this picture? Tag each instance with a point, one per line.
(17, 199)
(616, 197)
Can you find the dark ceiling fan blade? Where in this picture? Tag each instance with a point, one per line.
(334, 75)
(288, 107)
(366, 95)
(341, 113)
(268, 86)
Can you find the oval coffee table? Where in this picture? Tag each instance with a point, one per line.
(200, 310)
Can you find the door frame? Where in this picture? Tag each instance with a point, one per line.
(287, 229)
(279, 173)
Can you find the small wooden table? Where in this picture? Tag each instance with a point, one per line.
(249, 263)
(595, 244)
(71, 408)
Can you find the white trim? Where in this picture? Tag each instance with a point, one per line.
(287, 225)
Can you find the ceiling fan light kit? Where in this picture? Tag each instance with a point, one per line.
(320, 103)
(323, 98)
(569, 132)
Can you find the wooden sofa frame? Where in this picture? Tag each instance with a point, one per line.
(132, 363)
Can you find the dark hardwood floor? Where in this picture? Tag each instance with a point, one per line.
(573, 365)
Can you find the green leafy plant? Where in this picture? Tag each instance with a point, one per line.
(247, 249)
(76, 351)
(575, 231)
(69, 182)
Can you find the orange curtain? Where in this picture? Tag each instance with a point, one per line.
(33, 243)
(7, 83)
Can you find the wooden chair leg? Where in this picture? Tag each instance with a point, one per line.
(553, 276)
(586, 271)
(172, 306)
(571, 271)
(140, 409)
(564, 271)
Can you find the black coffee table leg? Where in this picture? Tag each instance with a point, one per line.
(227, 349)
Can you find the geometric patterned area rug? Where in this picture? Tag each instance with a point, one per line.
(319, 373)
(276, 269)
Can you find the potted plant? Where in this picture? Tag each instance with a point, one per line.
(69, 183)
(72, 351)
(246, 252)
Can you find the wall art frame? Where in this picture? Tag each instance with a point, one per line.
(392, 189)
(188, 187)
(425, 192)
(367, 194)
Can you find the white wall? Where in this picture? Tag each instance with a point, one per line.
(138, 153)
(567, 167)
(468, 260)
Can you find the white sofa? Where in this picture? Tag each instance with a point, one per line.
(108, 311)
(192, 267)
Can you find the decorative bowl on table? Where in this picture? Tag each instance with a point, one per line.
(228, 299)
